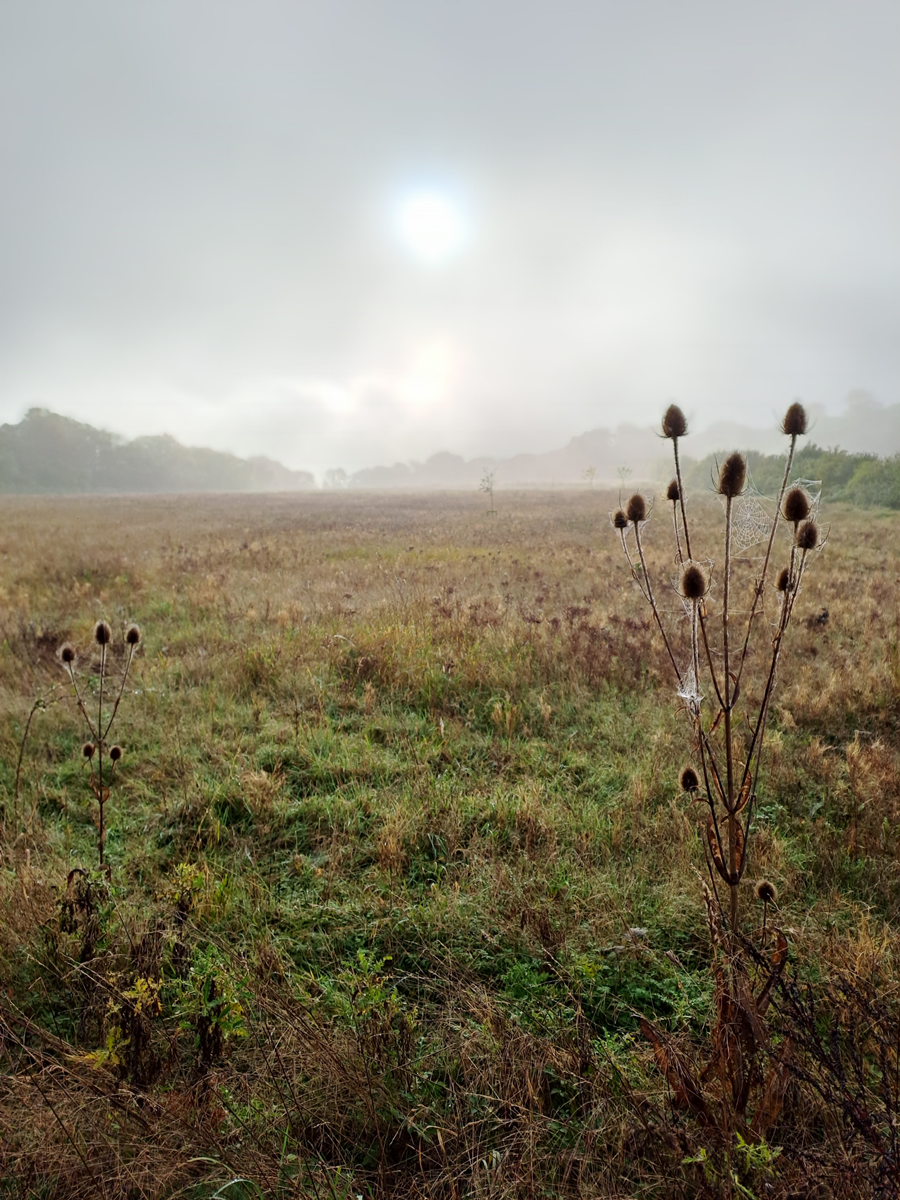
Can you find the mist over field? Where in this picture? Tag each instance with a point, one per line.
(344, 236)
(449, 609)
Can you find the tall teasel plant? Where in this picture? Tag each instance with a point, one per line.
(720, 642)
(732, 1094)
(99, 711)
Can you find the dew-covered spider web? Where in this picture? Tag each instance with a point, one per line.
(751, 512)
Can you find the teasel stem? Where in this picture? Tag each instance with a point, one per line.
(677, 534)
(695, 649)
(709, 660)
(648, 592)
(687, 535)
(761, 583)
(115, 709)
(100, 799)
(95, 733)
(756, 744)
(729, 749)
(634, 573)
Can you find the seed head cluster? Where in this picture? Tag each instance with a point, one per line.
(102, 633)
(796, 506)
(672, 492)
(732, 476)
(807, 536)
(689, 780)
(766, 891)
(636, 510)
(794, 423)
(620, 521)
(693, 583)
(674, 423)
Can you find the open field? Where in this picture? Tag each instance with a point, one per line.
(398, 854)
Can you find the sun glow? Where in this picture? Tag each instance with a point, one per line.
(431, 226)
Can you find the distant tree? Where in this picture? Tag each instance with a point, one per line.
(336, 477)
(590, 474)
(487, 486)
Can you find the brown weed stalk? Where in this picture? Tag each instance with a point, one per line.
(101, 757)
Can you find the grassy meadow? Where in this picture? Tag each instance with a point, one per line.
(398, 856)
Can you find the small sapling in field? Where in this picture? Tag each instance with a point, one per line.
(104, 683)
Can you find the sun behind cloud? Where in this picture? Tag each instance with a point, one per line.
(430, 225)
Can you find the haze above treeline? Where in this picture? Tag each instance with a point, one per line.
(49, 453)
(341, 233)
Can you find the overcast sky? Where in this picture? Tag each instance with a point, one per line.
(346, 232)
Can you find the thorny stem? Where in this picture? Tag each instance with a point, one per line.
(687, 532)
(115, 708)
(709, 659)
(648, 592)
(677, 534)
(729, 749)
(756, 745)
(695, 652)
(100, 796)
(761, 583)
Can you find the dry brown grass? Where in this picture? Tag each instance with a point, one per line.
(397, 723)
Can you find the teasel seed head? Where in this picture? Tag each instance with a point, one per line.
(766, 891)
(115, 753)
(794, 422)
(689, 780)
(102, 633)
(693, 583)
(132, 635)
(67, 653)
(636, 510)
(620, 521)
(784, 578)
(672, 492)
(807, 536)
(674, 423)
(732, 476)
(87, 750)
(796, 506)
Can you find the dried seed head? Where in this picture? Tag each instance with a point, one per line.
(766, 891)
(67, 652)
(620, 521)
(796, 506)
(115, 753)
(637, 508)
(689, 780)
(87, 750)
(784, 578)
(102, 633)
(693, 583)
(794, 422)
(807, 536)
(732, 476)
(674, 424)
(672, 492)
(132, 635)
